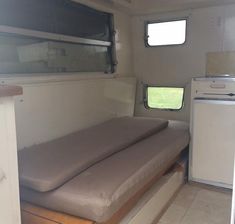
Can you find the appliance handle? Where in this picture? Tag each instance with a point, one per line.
(214, 101)
(218, 86)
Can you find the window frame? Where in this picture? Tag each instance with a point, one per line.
(145, 97)
(146, 36)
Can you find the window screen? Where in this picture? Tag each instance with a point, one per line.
(165, 98)
(166, 33)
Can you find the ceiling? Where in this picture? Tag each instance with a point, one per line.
(151, 6)
(139, 7)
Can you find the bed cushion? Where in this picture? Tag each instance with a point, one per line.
(47, 166)
(97, 193)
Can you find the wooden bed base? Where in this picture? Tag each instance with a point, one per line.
(32, 214)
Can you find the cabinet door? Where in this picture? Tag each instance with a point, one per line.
(9, 186)
(213, 141)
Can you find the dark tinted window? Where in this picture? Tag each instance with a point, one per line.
(78, 20)
(56, 16)
(37, 52)
(28, 14)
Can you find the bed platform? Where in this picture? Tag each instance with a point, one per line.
(149, 209)
(109, 189)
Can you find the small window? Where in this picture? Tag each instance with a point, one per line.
(164, 98)
(166, 33)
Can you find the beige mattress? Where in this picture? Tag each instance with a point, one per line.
(100, 191)
(47, 166)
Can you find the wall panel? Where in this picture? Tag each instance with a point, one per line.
(209, 30)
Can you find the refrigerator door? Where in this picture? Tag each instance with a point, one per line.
(213, 146)
(233, 200)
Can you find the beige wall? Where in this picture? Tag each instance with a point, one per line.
(48, 110)
(209, 29)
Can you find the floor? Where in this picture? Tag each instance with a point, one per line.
(199, 205)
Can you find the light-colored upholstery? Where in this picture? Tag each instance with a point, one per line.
(47, 166)
(101, 190)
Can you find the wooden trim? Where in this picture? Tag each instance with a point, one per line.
(34, 219)
(32, 214)
(6, 91)
(61, 218)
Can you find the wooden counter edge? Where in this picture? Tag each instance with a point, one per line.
(7, 91)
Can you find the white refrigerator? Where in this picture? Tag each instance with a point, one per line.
(213, 133)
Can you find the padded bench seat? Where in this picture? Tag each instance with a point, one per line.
(101, 190)
(49, 165)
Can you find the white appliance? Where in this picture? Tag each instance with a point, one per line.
(212, 129)
(233, 200)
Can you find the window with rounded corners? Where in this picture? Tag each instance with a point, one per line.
(166, 33)
(164, 98)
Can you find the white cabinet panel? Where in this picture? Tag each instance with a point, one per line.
(9, 186)
(213, 146)
(233, 200)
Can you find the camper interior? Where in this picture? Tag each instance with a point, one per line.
(117, 111)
